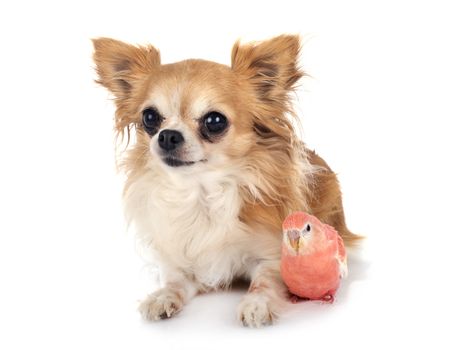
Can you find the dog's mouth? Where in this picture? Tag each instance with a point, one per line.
(175, 162)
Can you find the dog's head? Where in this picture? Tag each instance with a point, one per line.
(202, 120)
(198, 112)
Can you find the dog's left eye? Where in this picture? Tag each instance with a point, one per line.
(215, 122)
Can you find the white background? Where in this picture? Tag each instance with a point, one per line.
(376, 108)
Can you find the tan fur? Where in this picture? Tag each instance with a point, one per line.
(261, 152)
(273, 74)
(325, 199)
(122, 69)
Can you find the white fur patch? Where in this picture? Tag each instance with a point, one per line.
(167, 105)
(200, 106)
(189, 217)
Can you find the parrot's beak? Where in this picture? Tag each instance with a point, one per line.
(294, 242)
(293, 239)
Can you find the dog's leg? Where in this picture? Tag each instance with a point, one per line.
(170, 299)
(266, 296)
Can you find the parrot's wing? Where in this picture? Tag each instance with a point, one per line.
(341, 258)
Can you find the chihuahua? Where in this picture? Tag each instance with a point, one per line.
(214, 167)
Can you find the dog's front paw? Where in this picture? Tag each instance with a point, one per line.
(254, 311)
(163, 303)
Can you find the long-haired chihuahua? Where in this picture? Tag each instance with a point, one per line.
(214, 167)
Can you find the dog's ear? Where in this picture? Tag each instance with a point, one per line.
(120, 66)
(270, 66)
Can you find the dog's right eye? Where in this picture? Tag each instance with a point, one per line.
(151, 120)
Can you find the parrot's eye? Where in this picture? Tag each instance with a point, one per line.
(308, 228)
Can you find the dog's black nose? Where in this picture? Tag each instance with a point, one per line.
(170, 139)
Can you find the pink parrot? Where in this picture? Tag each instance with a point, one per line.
(313, 258)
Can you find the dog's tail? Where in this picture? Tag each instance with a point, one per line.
(350, 239)
(326, 200)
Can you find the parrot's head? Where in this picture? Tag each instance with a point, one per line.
(302, 233)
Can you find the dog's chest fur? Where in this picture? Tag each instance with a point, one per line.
(192, 223)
